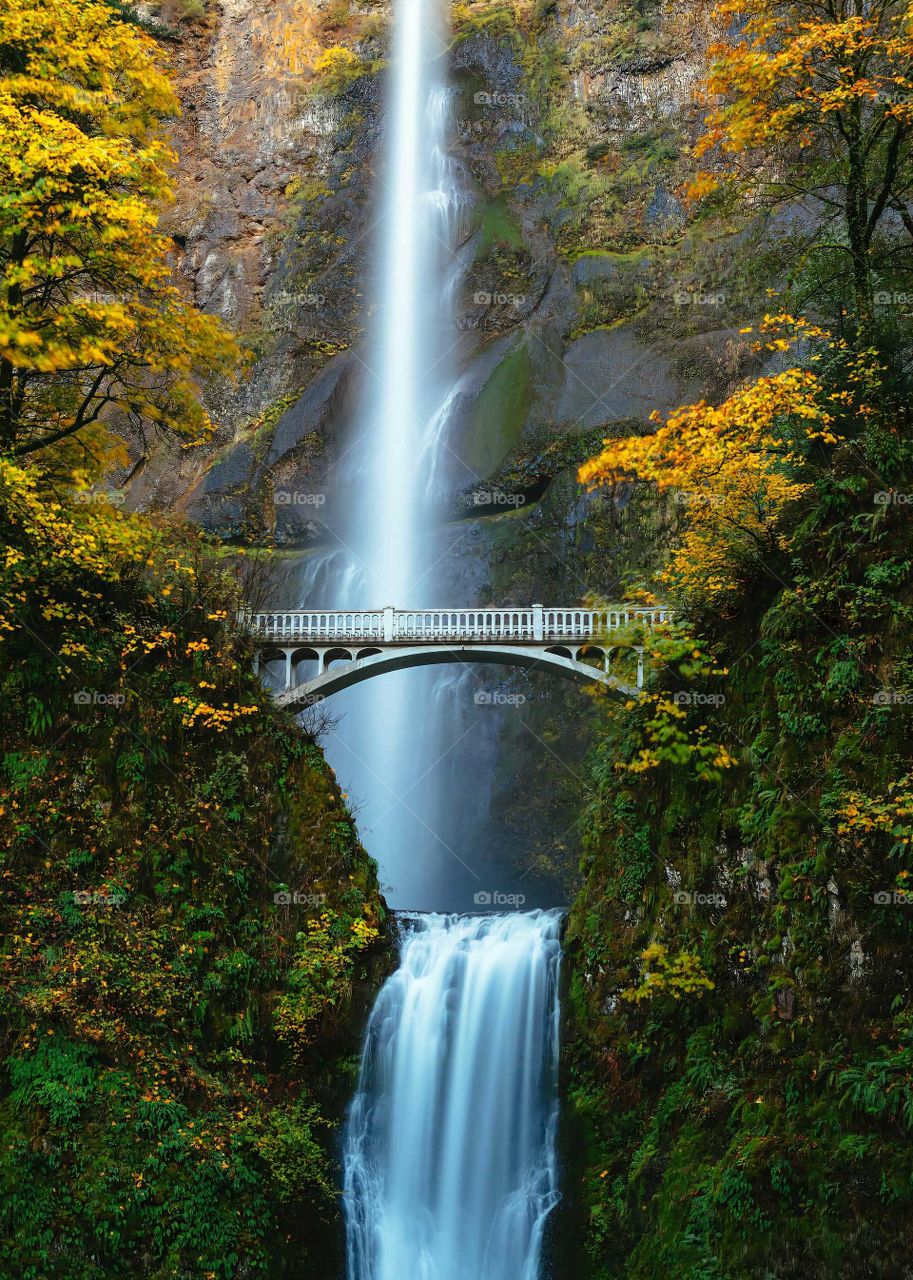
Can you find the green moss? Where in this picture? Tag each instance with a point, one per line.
(259, 430)
(189, 10)
(153, 1122)
(492, 18)
(498, 229)
(500, 412)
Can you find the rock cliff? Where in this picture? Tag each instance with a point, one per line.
(570, 126)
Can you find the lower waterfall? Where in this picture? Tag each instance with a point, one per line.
(450, 1148)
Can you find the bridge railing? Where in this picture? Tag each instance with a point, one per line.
(589, 624)
(463, 624)
(318, 626)
(536, 624)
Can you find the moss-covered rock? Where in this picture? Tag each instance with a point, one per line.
(193, 932)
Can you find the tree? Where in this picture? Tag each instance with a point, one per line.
(814, 99)
(736, 468)
(90, 321)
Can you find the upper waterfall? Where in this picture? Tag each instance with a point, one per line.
(407, 375)
(390, 550)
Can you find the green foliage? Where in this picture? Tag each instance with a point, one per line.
(58, 1076)
(296, 1157)
(760, 1126)
(153, 802)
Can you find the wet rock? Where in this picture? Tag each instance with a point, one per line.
(324, 408)
(664, 210)
(232, 470)
(610, 375)
(594, 266)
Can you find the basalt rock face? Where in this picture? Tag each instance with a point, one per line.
(248, 130)
(569, 136)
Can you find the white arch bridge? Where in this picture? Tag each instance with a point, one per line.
(310, 654)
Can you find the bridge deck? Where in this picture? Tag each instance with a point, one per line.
(536, 624)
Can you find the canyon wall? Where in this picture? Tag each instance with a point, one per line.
(588, 300)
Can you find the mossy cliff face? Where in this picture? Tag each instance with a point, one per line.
(740, 1037)
(193, 935)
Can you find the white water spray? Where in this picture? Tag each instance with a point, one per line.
(450, 1166)
(409, 373)
(389, 549)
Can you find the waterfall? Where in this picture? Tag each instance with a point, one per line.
(450, 1164)
(408, 374)
(389, 547)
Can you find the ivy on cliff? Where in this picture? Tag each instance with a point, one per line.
(742, 1073)
(187, 915)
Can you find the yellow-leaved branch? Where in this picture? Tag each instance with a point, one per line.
(734, 467)
(92, 328)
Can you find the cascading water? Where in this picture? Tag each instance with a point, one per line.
(408, 373)
(450, 1166)
(388, 549)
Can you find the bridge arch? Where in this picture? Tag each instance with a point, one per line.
(368, 663)
(339, 653)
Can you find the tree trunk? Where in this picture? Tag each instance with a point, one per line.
(8, 409)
